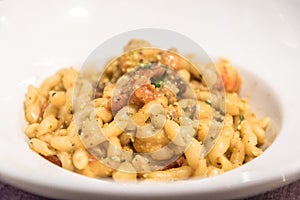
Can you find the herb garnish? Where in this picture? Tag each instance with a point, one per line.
(242, 118)
(157, 84)
(208, 102)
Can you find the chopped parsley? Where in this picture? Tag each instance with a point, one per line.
(157, 84)
(242, 118)
(208, 102)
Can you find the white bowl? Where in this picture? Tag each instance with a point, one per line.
(261, 37)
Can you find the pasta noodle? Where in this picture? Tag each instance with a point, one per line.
(166, 116)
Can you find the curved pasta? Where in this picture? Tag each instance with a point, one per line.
(222, 145)
(180, 173)
(130, 139)
(250, 140)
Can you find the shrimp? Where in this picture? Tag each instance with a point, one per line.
(143, 95)
(230, 76)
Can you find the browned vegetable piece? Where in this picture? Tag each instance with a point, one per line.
(177, 163)
(54, 159)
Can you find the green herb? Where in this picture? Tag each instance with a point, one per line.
(50, 127)
(242, 118)
(208, 102)
(157, 84)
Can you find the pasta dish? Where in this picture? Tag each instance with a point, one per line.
(148, 116)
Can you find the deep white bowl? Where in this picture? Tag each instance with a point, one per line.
(261, 37)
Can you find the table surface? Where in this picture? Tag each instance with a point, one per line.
(290, 192)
